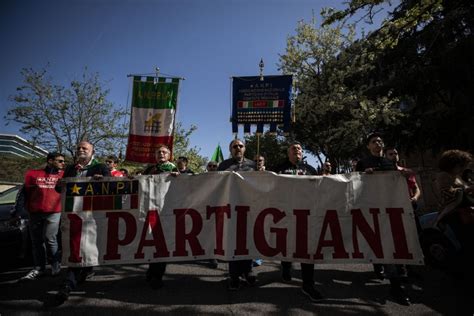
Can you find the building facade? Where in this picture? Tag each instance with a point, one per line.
(15, 146)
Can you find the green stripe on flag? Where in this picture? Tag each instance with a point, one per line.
(69, 207)
(117, 202)
(162, 95)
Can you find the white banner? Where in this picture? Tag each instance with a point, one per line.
(352, 218)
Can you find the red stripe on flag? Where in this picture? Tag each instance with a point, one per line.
(260, 104)
(87, 203)
(240, 104)
(134, 201)
(103, 203)
(281, 103)
(142, 148)
(75, 233)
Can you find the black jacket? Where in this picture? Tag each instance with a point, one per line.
(301, 168)
(375, 162)
(234, 165)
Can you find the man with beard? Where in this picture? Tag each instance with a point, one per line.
(85, 166)
(238, 163)
(296, 166)
(156, 270)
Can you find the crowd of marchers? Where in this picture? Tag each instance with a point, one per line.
(41, 192)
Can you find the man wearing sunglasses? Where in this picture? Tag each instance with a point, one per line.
(211, 166)
(44, 209)
(260, 161)
(238, 163)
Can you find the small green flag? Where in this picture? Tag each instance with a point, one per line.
(217, 156)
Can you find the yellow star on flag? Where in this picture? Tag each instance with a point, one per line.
(75, 189)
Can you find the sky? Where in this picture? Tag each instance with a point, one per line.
(205, 41)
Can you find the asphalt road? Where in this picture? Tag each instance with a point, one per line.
(196, 289)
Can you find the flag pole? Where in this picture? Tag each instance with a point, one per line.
(258, 144)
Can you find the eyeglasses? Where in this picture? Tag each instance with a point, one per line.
(59, 160)
(238, 146)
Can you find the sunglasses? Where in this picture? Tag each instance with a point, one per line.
(212, 166)
(238, 146)
(59, 160)
(260, 160)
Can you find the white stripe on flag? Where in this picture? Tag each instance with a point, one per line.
(126, 201)
(77, 204)
(152, 122)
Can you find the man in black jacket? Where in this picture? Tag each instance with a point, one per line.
(374, 162)
(156, 270)
(296, 166)
(85, 166)
(238, 162)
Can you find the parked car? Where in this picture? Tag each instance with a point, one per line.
(15, 243)
(439, 243)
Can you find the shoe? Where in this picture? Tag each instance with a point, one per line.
(234, 284)
(399, 295)
(250, 278)
(379, 271)
(85, 274)
(286, 274)
(213, 263)
(257, 262)
(32, 275)
(311, 292)
(55, 268)
(155, 282)
(63, 294)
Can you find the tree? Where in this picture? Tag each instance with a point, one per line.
(181, 147)
(271, 146)
(423, 53)
(334, 112)
(58, 117)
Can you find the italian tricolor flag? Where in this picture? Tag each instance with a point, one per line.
(152, 120)
(261, 104)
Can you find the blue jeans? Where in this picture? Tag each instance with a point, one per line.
(43, 231)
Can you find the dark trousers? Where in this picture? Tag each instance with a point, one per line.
(156, 270)
(239, 267)
(307, 271)
(76, 276)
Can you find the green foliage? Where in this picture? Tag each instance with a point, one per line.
(182, 147)
(271, 146)
(335, 107)
(57, 117)
(13, 169)
(423, 55)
